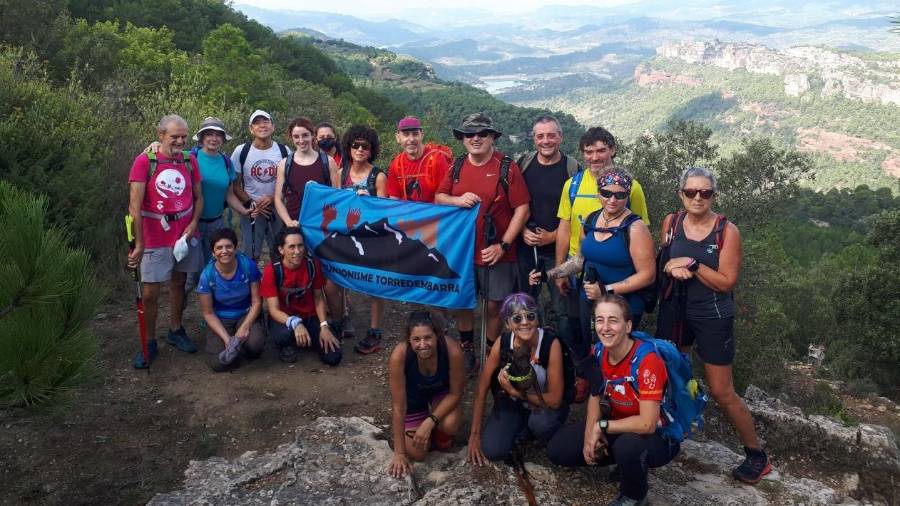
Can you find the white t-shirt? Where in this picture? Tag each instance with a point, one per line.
(261, 168)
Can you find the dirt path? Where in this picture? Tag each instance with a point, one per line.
(131, 433)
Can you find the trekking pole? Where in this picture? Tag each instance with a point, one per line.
(138, 294)
(535, 290)
(523, 477)
(253, 232)
(490, 233)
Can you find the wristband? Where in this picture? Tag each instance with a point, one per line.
(293, 321)
(694, 265)
(323, 324)
(436, 420)
(609, 289)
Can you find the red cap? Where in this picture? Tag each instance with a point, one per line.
(409, 123)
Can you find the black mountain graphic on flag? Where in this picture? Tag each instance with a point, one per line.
(381, 246)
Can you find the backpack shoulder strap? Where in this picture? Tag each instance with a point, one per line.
(310, 271)
(345, 172)
(245, 150)
(525, 160)
(229, 166)
(326, 170)
(644, 348)
(278, 270)
(505, 339)
(504, 173)
(282, 149)
(244, 266)
(154, 163)
(371, 181)
(626, 227)
(573, 186)
(457, 168)
(572, 166)
(674, 222)
(209, 270)
(721, 223)
(546, 344)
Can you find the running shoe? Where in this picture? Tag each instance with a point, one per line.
(624, 500)
(287, 354)
(753, 468)
(371, 343)
(179, 339)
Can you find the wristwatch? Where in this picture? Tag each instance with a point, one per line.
(604, 425)
(435, 419)
(504, 245)
(694, 265)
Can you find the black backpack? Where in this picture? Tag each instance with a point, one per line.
(371, 179)
(245, 150)
(543, 359)
(648, 293)
(278, 268)
(504, 170)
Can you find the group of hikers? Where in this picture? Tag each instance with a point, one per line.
(544, 222)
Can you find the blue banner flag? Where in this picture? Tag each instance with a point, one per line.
(394, 249)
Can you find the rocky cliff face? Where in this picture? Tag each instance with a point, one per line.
(835, 74)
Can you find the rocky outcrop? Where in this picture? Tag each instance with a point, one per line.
(343, 461)
(840, 74)
(646, 77)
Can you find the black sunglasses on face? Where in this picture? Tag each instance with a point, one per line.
(691, 193)
(530, 316)
(360, 145)
(609, 193)
(483, 134)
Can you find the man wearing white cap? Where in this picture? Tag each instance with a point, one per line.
(256, 164)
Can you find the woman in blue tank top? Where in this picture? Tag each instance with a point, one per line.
(427, 378)
(705, 260)
(618, 250)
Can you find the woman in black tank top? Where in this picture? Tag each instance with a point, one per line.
(306, 164)
(705, 252)
(427, 378)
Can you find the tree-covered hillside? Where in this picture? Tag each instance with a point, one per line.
(851, 142)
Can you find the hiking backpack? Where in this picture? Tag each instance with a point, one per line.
(544, 359)
(326, 171)
(278, 270)
(649, 292)
(664, 284)
(229, 165)
(504, 171)
(245, 150)
(572, 165)
(371, 179)
(210, 272)
(187, 156)
(683, 400)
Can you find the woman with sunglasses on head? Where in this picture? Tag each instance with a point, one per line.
(427, 377)
(307, 164)
(538, 411)
(360, 149)
(623, 412)
(617, 249)
(705, 260)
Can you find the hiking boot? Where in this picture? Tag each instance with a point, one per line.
(754, 467)
(227, 356)
(582, 389)
(371, 343)
(623, 500)
(139, 363)
(470, 359)
(287, 354)
(347, 328)
(179, 339)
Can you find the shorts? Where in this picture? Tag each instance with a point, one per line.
(157, 264)
(503, 279)
(415, 419)
(713, 338)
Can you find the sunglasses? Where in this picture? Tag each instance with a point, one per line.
(609, 193)
(483, 134)
(530, 316)
(360, 145)
(691, 193)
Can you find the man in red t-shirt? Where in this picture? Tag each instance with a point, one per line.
(416, 172)
(296, 304)
(165, 203)
(479, 181)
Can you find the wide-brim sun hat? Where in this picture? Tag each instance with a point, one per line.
(212, 123)
(474, 123)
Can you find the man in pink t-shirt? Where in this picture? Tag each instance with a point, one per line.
(165, 203)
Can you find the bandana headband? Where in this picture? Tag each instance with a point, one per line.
(615, 177)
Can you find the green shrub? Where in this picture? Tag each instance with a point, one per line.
(48, 297)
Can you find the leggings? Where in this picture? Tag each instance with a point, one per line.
(635, 454)
(283, 336)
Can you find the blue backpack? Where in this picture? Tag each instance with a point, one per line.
(683, 401)
(243, 271)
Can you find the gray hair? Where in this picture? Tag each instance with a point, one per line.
(168, 119)
(547, 118)
(698, 172)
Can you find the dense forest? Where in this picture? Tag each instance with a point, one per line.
(83, 83)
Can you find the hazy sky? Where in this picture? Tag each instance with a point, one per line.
(386, 9)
